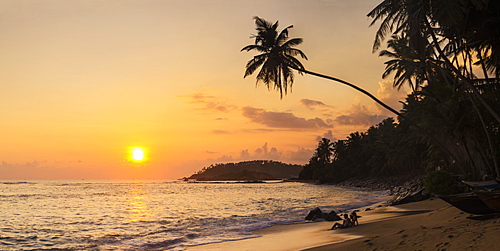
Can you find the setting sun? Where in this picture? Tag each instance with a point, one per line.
(137, 154)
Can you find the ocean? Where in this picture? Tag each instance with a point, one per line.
(156, 215)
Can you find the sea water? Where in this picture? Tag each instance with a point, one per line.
(156, 215)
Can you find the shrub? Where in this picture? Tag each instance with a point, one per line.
(440, 182)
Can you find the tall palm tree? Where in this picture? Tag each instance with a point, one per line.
(277, 60)
(404, 63)
(423, 22)
(324, 151)
(454, 30)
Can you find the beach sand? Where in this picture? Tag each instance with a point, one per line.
(427, 225)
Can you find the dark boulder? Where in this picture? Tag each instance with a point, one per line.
(314, 214)
(332, 216)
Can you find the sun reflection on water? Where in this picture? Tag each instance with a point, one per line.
(137, 203)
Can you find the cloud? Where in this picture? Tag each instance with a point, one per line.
(223, 158)
(391, 96)
(328, 135)
(209, 102)
(265, 153)
(312, 104)
(262, 153)
(282, 119)
(301, 155)
(220, 132)
(33, 164)
(245, 155)
(360, 115)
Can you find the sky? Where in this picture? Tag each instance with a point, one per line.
(85, 82)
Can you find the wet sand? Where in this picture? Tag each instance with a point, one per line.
(427, 225)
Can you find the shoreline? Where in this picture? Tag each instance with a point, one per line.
(431, 224)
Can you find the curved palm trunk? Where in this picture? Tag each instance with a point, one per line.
(441, 145)
(353, 86)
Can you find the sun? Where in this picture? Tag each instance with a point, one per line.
(137, 154)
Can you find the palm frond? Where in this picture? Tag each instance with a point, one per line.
(277, 62)
(254, 63)
(254, 47)
(283, 36)
(295, 52)
(292, 42)
(294, 63)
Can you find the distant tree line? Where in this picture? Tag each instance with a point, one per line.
(248, 170)
(458, 144)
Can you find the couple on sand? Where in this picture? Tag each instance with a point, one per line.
(347, 222)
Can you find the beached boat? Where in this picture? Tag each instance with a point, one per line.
(490, 198)
(468, 202)
(481, 185)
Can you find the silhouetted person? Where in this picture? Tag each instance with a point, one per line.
(354, 219)
(345, 223)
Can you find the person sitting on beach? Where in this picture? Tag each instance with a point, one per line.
(345, 223)
(354, 219)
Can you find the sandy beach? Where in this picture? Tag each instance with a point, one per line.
(427, 225)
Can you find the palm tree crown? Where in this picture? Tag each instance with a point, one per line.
(277, 58)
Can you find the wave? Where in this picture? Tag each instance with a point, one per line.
(159, 215)
(16, 183)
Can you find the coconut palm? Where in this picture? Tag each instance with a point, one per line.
(404, 63)
(277, 60)
(454, 30)
(427, 22)
(278, 56)
(324, 151)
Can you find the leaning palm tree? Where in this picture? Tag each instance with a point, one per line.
(278, 60)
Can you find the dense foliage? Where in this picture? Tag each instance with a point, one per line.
(441, 182)
(248, 170)
(384, 150)
(448, 52)
(458, 143)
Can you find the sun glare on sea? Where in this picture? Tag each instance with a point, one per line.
(137, 154)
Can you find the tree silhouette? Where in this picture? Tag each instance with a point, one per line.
(277, 59)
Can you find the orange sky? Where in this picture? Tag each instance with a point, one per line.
(83, 81)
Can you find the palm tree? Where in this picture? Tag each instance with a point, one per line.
(277, 60)
(324, 151)
(404, 63)
(427, 22)
(454, 31)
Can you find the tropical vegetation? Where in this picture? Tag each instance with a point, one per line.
(448, 53)
(248, 170)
